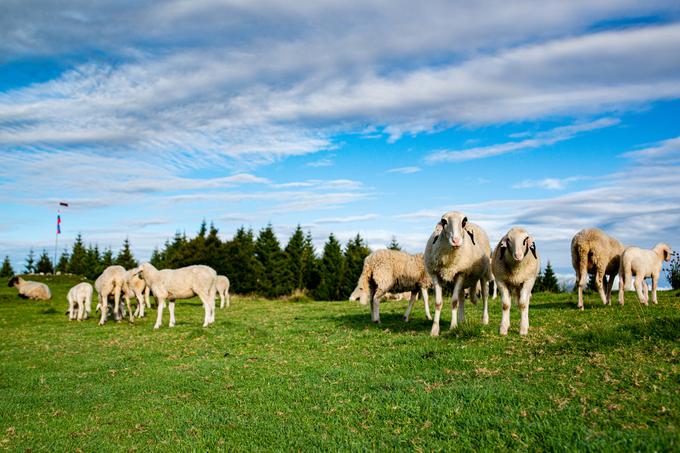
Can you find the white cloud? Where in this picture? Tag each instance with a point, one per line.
(404, 170)
(346, 219)
(547, 183)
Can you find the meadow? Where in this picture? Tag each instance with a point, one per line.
(303, 375)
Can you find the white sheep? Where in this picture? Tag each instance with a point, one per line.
(135, 286)
(222, 287)
(110, 283)
(80, 297)
(30, 290)
(396, 271)
(593, 251)
(456, 256)
(515, 265)
(643, 264)
(183, 283)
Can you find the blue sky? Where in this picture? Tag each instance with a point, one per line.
(346, 117)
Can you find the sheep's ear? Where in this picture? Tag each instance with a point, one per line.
(532, 247)
(464, 221)
(438, 229)
(472, 236)
(504, 246)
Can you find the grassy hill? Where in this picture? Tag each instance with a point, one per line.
(272, 375)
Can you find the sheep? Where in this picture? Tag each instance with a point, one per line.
(593, 251)
(183, 283)
(110, 283)
(222, 287)
(456, 256)
(135, 286)
(30, 290)
(396, 271)
(515, 270)
(643, 264)
(79, 296)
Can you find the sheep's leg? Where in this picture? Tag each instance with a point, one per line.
(227, 297)
(437, 308)
(88, 306)
(129, 308)
(211, 300)
(159, 314)
(379, 293)
(222, 301)
(599, 275)
(71, 308)
(81, 309)
(485, 299)
(141, 304)
(411, 301)
(640, 289)
(655, 281)
(171, 309)
(581, 282)
(116, 304)
(622, 288)
(103, 306)
(506, 300)
(458, 304)
(610, 287)
(426, 296)
(147, 298)
(523, 302)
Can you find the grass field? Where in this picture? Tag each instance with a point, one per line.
(273, 375)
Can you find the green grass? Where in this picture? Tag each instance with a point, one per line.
(272, 375)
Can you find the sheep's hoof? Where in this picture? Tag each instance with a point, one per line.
(405, 318)
(485, 320)
(581, 308)
(435, 331)
(503, 331)
(156, 326)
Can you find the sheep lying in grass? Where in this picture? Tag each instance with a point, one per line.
(456, 256)
(222, 287)
(135, 286)
(642, 264)
(594, 251)
(79, 297)
(30, 290)
(515, 265)
(110, 283)
(395, 271)
(183, 283)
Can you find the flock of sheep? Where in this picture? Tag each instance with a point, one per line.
(457, 259)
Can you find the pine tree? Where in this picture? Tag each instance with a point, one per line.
(538, 284)
(312, 277)
(92, 262)
(157, 259)
(29, 267)
(125, 257)
(355, 252)
(77, 264)
(214, 250)
(240, 263)
(275, 278)
(62, 265)
(550, 283)
(673, 271)
(44, 264)
(6, 270)
(295, 258)
(331, 268)
(106, 259)
(175, 252)
(394, 245)
(194, 251)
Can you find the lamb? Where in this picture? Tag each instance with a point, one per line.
(643, 264)
(593, 251)
(183, 283)
(135, 286)
(395, 271)
(456, 256)
(222, 287)
(110, 283)
(30, 290)
(515, 270)
(80, 297)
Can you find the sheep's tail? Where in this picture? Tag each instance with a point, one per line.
(361, 292)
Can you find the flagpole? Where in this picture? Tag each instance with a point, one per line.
(56, 243)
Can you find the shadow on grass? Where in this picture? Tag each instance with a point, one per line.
(644, 332)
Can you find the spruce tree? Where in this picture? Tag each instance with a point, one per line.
(274, 280)
(331, 268)
(106, 259)
(394, 245)
(550, 283)
(241, 266)
(673, 271)
(355, 252)
(213, 250)
(62, 265)
(312, 276)
(295, 258)
(538, 284)
(176, 251)
(29, 266)
(6, 270)
(125, 257)
(44, 264)
(92, 262)
(157, 259)
(194, 252)
(77, 264)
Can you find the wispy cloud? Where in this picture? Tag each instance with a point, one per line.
(540, 139)
(404, 170)
(346, 219)
(547, 183)
(326, 162)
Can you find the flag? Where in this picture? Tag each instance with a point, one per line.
(58, 224)
(61, 203)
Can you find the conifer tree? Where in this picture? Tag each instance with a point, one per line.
(240, 263)
(274, 280)
(295, 258)
(213, 250)
(157, 259)
(332, 268)
(6, 270)
(550, 283)
(77, 264)
(538, 284)
(29, 266)
(125, 257)
(62, 265)
(92, 262)
(106, 259)
(355, 252)
(312, 276)
(394, 245)
(44, 264)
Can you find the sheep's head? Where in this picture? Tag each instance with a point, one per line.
(361, 294)
(518, 242)
(454, 227)
(13, 281)
(664, 250)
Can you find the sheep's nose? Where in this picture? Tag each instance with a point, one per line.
(518, 256)
(456, 242)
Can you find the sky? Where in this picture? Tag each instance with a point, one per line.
(348, 117)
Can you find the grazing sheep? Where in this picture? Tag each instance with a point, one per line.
(593, 251)
(183, 283)
(643, 264)
(135, 286)
(456, 256)
(396, 271)
(79, 296)
(30, 290)
(222, 287)
(515, 270)
(110, 283)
